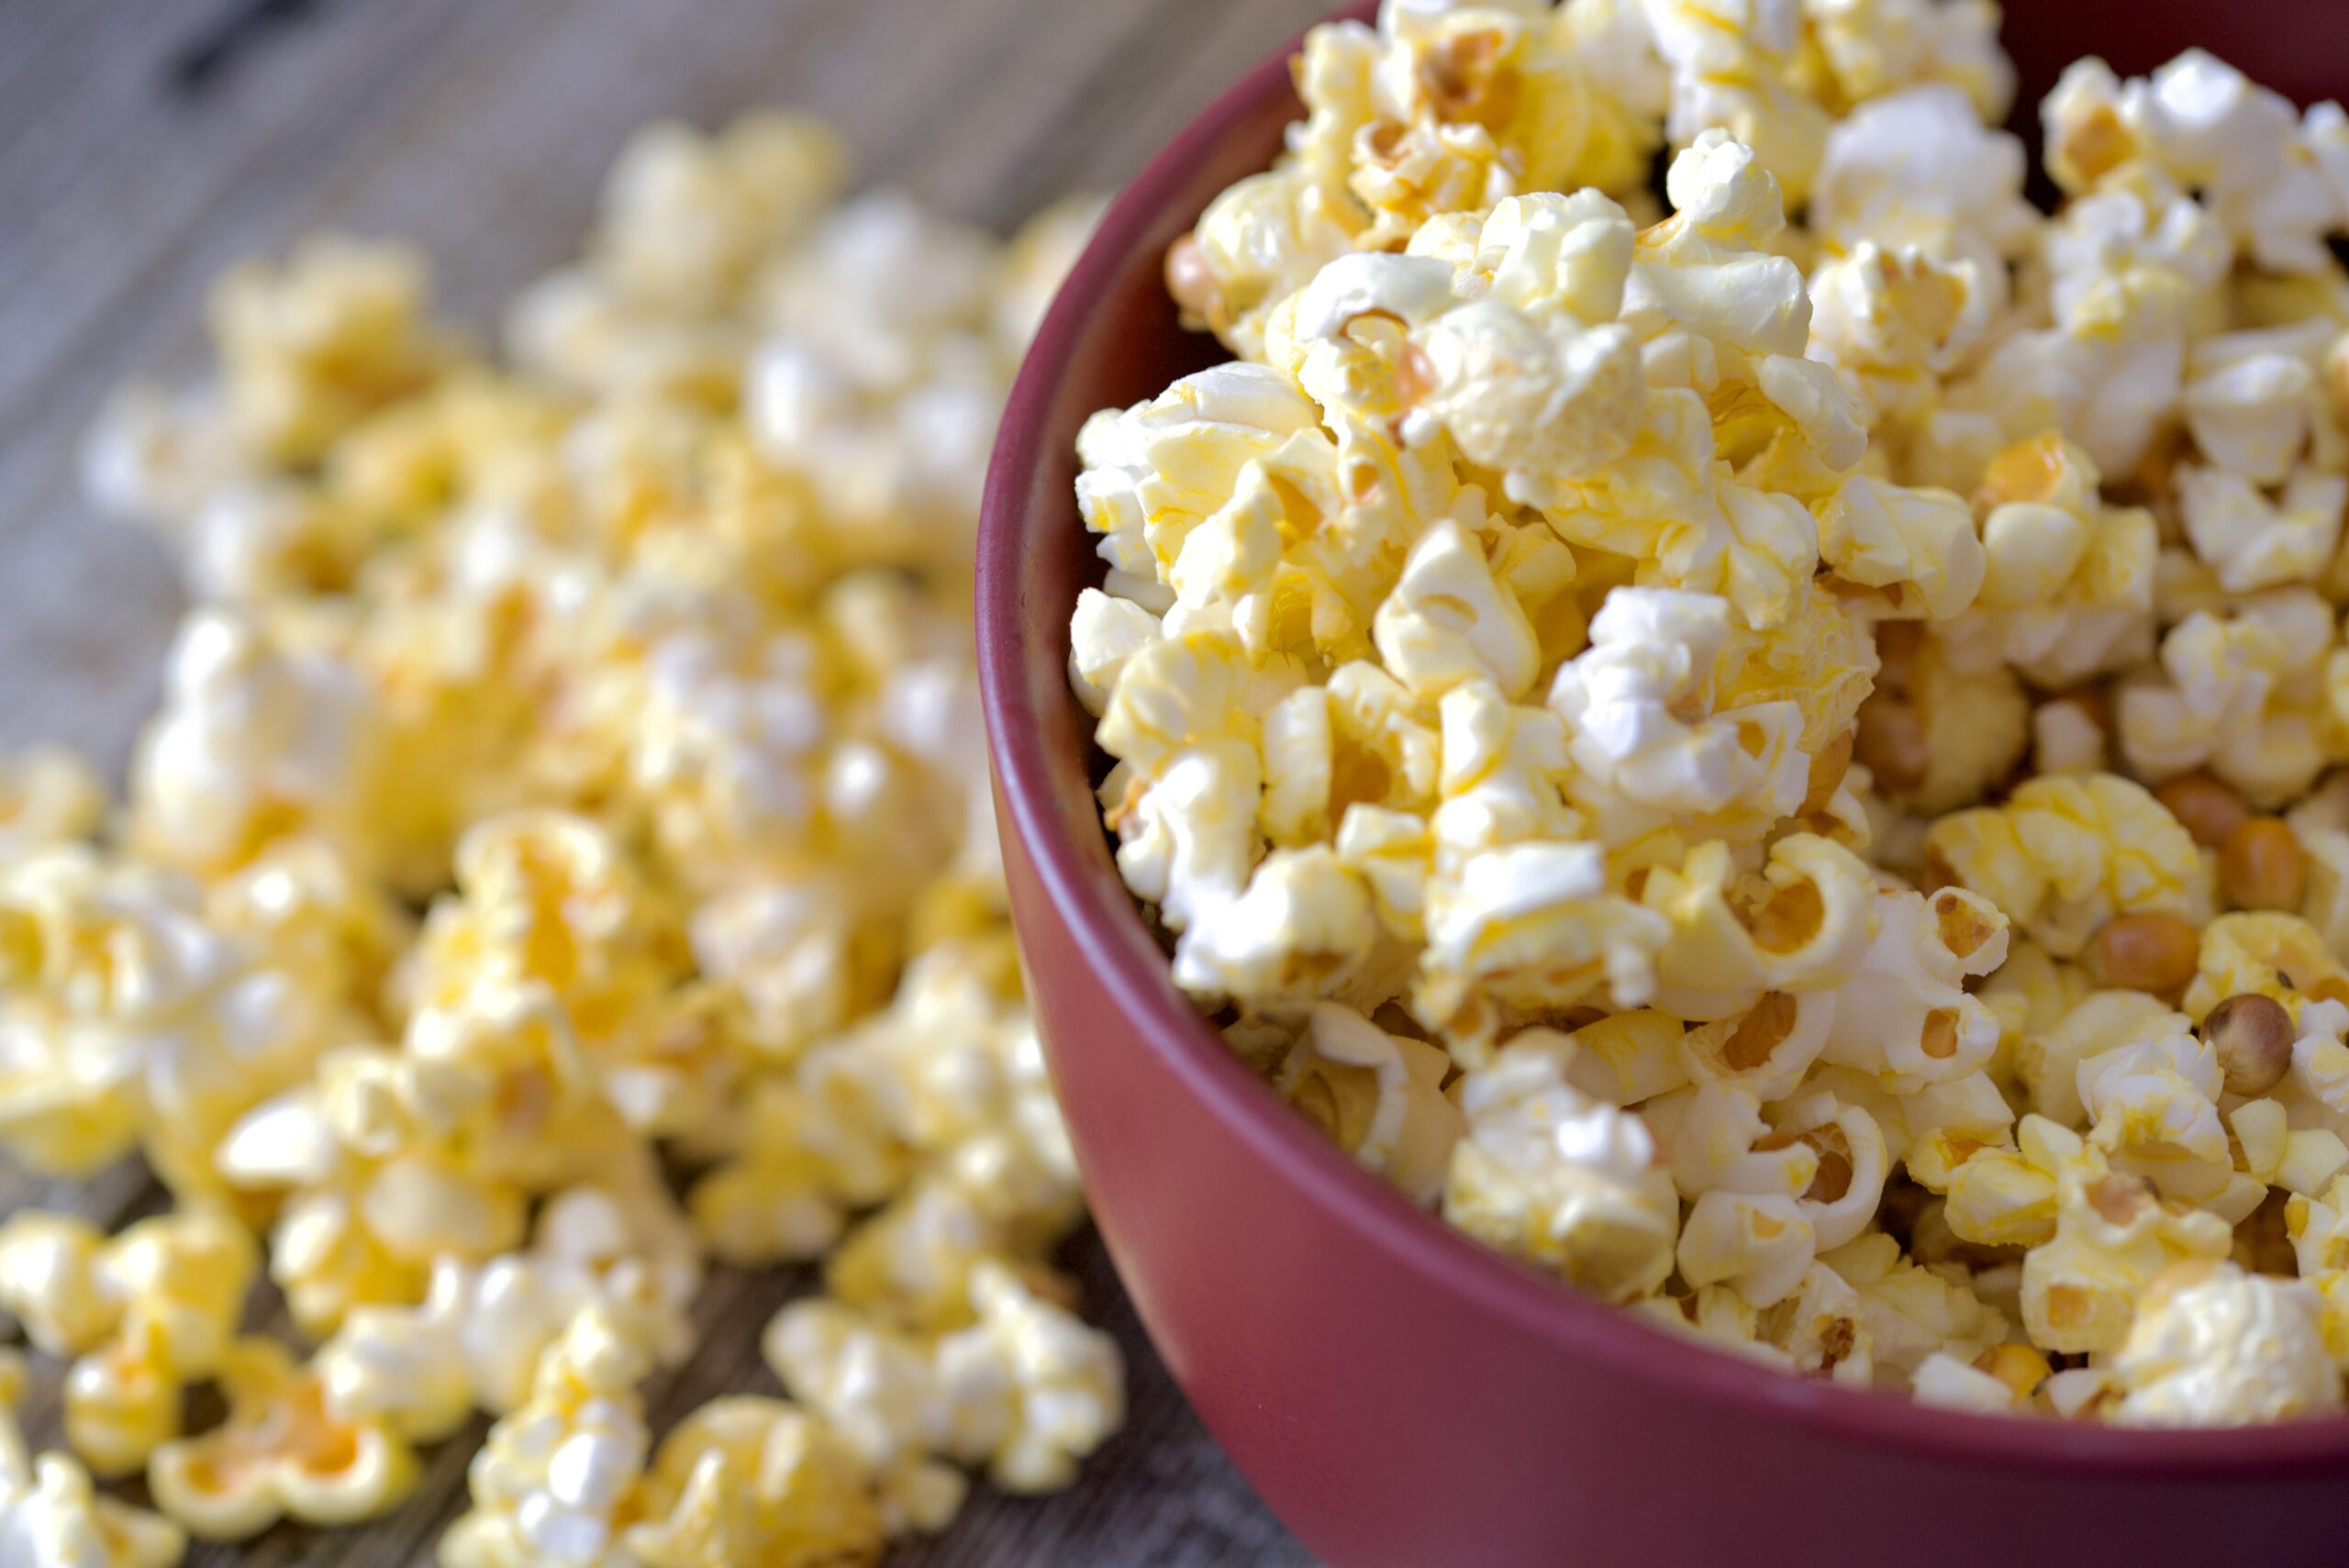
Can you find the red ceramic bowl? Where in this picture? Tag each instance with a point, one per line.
(1402, 1398)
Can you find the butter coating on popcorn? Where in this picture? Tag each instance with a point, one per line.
(569, 777)
(1784, 731)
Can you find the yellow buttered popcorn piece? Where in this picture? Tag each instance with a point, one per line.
(2111, 1236)
(2068, 852)
(2068, 586)
(48, 796)
(309, 348)
(576, 762)
(2271, 956)
(280, 1453)
(746, 1479)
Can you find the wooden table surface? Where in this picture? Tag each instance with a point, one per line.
(146, 144)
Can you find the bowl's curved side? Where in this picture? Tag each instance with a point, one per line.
(1399, 1395)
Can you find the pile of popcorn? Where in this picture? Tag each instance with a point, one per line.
(1775, 754)
(562, 858)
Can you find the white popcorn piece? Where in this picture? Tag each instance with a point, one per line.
(2252, 542)
(1919, 169)
(1379, 1097)
(2214, 1346)
(1447, 621)
(1651, 659)
(1942, 1379)
(52, 1517)
(1562, 1181)
(1729, 72)
(1906, 1016)
(1758, 1244)
(2155, 1110)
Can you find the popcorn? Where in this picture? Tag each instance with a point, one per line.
(1565, 1183)
(746, 1479)
(557, 1476)
(1907, 1312)
(48, 796)
(1062, 1384)
(1904, 1016)
(1377, 1095)
(2112, 1236)
(308, 349)
(2155, 1110)
(2066, 854)
(1638, 761)
(2251, 542)
(50, 1516)
(1918, 175)
(1915, 547)
(644, 665)
(2214, 1346)
(2253, 400)
(1943, 1380)
(1934, 738)
(1874, 46)
(126, 1018)
(1731, 70)
(2267, 955)
(2231, 701)
(2068, 582)
(1447, 621)
(481, 1327)
(280, 1453)
(257, 734)
(2203, 123)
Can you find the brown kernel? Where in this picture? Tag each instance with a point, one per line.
(1760, 1031)
(1790, 919)
(2153, 952)
(1963, 929)
(2252, 1036)
(1827, 770)
(2021, 1367)
(1833, 1178)
(2203, 807)
(2262, 865)
(1940, 1038)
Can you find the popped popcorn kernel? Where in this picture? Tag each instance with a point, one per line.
(2214, 1346)
(571, 773)
(280, 1453)
(1928, 860)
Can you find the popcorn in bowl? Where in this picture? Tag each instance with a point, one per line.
(1770, 754)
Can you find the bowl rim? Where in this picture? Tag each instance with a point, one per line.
(1109, 934)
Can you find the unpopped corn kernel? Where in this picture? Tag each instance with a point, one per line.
(2153, 952)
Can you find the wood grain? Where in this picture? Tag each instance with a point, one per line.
(146, 144)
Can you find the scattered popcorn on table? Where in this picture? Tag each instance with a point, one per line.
(564, 857)
(1782, 753)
